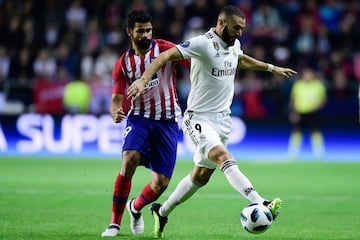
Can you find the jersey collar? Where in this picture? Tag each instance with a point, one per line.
(218, 38)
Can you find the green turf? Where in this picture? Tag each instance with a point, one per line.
(71, 199)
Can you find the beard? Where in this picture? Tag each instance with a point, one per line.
(144, 43)
(227, 38)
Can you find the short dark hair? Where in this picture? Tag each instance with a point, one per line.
(230, 10)
(138, 16)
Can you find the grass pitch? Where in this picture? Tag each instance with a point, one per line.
(71, 199)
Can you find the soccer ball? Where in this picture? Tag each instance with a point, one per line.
(256, 218)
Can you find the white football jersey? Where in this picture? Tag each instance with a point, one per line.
(212, 74)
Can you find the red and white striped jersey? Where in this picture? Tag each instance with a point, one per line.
(159, 100)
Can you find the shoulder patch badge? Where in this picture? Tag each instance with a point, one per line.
(185, 44)
(216, 46)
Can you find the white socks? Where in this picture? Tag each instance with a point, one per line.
(185, 189)
(239, 181)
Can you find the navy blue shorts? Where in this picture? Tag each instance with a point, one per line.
(155, 140)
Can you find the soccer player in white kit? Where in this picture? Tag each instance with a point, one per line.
(215, 57)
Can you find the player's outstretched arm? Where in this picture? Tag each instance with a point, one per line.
(247, 62)
(138, 86)
(284, 72)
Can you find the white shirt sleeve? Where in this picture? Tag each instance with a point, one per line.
(192, 48)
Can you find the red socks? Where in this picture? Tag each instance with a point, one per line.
(122, 189)
(121, 193)
(147, 196)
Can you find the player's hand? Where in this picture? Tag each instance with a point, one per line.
(284, 72)
(118, 115)
(136, 88)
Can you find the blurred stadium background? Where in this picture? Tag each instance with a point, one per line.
(45, 45)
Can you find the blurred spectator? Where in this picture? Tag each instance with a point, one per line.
(330, 15)
(356, 65)
(32, 38)
(137, 5)
(45, 64)
(87, 64)
(178, 12)
(281, 55)
(265, 24)
(308, 97)
(214, 10)
(66, 59)
(51, 34)
(113, 14)
(305, 41)
(160, 14)
(247, 7)
(323, 44)
(252, 96)
(340, 88)
(237, 106)
(14, 35)
(4, 64)
(183, 85)
(200, 9)
(54, 12)
(4, 72)
(342, 59)
(76, 16)
(2, 101)
(21, 65)
(176, 31)
(100, 101)
(93, 39)
(310, 13)
(104, 64)
(347, 35)
(288, 10)
(276, 96)
(195, 27)
(114, 38)
(77, 96)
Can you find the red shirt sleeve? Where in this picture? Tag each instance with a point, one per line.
(120, 83)
(119, 78)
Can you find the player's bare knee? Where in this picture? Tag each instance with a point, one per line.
(130, 161)
(159, 183)
(219, 154)
(159, 187)
(127, 163)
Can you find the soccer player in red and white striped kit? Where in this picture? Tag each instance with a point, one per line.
(151, 132)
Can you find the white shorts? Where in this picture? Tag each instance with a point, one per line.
(205, 131)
